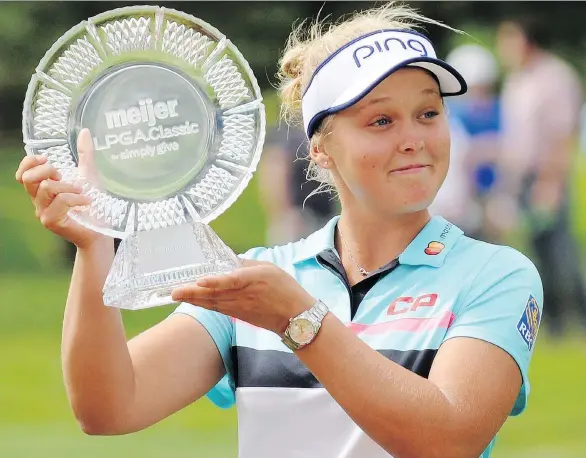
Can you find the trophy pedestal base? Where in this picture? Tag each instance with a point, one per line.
(149, 265)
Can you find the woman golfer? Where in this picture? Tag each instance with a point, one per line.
(385, 333)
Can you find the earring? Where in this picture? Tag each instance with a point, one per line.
(325, 162)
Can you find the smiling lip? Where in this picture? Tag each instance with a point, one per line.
(414, 168)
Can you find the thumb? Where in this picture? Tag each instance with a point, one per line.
(252, 262)
(86, 159)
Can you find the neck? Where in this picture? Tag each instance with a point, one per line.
(376, 240)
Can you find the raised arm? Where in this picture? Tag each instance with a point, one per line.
(115, 387)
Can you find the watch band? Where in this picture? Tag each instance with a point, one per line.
(289, 343)
(315, 315)
(319, 310)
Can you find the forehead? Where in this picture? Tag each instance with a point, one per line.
(405, 83)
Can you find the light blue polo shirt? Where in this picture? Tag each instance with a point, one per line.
(446, 285)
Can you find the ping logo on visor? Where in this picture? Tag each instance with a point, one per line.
(356, 68)
(387, 45)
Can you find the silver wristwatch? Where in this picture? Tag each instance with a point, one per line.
(304, 327)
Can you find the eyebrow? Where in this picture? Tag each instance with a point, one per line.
(430, 91)
(426, 92)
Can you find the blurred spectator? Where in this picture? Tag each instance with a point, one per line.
(454, 199)
(583, 129)
(475, 125)
(284, 188)
(541, 101)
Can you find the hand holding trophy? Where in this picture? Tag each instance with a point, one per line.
(173, 120)
(54, 198)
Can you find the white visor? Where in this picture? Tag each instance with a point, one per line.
(355, 69)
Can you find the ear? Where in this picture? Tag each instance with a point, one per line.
(318, 153)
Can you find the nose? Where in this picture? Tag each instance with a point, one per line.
(411, 146)
(412, 141)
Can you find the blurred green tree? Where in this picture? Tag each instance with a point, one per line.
(259, 29)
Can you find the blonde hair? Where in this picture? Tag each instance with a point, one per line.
(310, 44)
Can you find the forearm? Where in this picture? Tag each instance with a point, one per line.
(96, 363)
(404, 413)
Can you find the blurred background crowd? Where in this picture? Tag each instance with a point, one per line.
(517, 176)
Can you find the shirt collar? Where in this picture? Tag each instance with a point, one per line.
(317, 242)
(433, 243)
(430, 247)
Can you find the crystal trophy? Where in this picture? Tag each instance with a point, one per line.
(177, 124)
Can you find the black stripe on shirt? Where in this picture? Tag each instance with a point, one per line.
(278, 369)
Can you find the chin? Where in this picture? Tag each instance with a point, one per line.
(407, 207)
(399, 200)
(417, 200)
(415, 207)
(420, 202)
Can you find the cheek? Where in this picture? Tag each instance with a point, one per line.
(359, 159)
(371, 159)
(417, 194)
(438, 145)
(441, 158)
(367, 168)
(443, 154)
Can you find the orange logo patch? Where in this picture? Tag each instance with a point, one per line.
(434, 248)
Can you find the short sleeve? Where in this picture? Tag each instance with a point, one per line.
(504, 307)
(221, 329)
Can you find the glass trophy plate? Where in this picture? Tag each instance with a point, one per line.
(177, 125)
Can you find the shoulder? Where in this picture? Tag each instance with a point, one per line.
(555, 68)
(295, 252)
(489, 265)
(280, 255)
(488, 255)
(470, 248)
(556, 63)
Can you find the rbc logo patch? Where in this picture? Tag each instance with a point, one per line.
(529, 322)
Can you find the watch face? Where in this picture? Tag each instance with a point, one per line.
(301, 331)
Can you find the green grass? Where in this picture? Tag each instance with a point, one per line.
(35, 419)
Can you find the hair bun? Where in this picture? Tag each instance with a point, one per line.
(292, 62)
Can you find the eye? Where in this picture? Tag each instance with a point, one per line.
(382, 121)
(430, 114)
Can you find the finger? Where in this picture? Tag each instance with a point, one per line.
(190, 293)
(86, 154)
(55, 214)
(232, 280)
(28, 163)
(49, 189)
(253, 262)
(32, 178)
(225, 307)
(194, 293)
